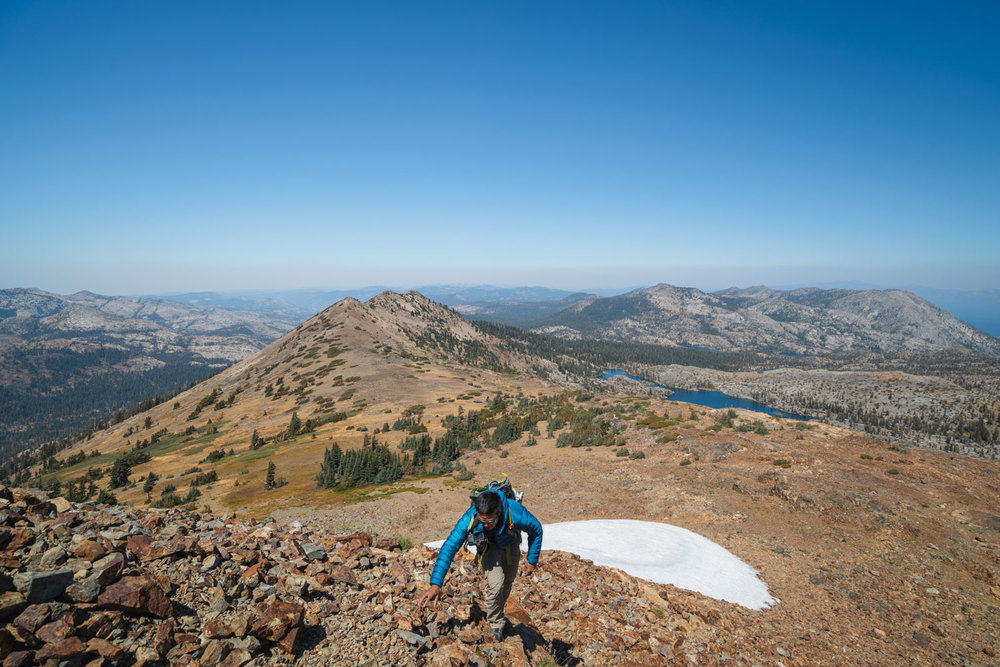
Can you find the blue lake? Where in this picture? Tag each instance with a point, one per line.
(709, 399)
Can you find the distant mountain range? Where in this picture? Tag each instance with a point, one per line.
(801, 322)
(522, 306)
(478, 301)
(66, 361)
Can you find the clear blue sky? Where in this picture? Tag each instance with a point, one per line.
(172, 146)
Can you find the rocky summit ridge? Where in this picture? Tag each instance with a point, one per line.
(93, 584)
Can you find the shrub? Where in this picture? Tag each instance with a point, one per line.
(783, 463)
(686, 462)
(637, 455)
(621, 452)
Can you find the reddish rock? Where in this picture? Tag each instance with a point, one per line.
(343, 574)
(215, 652)
(137, 545)
(276, 619)
(398, 572)
(147, 657)
(140, 595)
(241, 625)
(217, 628)
(109, 568)
(63, 650)
(100, 624)
(183, 649)
(90, 550)
(153, 522)
(287, 643)
(19, 659)
(157, 550)
(40, 510)
(107, 650)
(236, 658)
(62, 505)
(56, 631)
(164, 639)
(20, 537)
(251, 576)
(33, 618)
(364, 538)
(292, 550)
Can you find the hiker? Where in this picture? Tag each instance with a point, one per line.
(493, 524)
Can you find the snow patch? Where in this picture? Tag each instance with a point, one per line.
(660, 553)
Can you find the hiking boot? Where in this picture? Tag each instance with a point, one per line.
(500, 632)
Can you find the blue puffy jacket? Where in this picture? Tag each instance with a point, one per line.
(513, 513)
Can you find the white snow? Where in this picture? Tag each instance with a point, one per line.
(660, 553)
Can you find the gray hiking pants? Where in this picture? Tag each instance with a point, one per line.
(500, 567)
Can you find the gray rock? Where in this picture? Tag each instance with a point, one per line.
(412, 638)
(54, 557)
(38, 587)
(84, 591)
(314, 552)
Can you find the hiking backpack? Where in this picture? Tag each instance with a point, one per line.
(504, 487)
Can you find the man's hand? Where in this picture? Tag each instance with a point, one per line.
(429, 596)
(528, 568)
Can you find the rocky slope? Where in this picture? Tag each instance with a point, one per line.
(105, 585)
(804, 321)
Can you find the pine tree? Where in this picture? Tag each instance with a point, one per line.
(295, 425)
(327, 477)
(150, 482)
(269, 480)
(119, 473)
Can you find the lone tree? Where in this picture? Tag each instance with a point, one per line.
(119, 473)
(295, 425)
(269, 480)
(151, 480)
